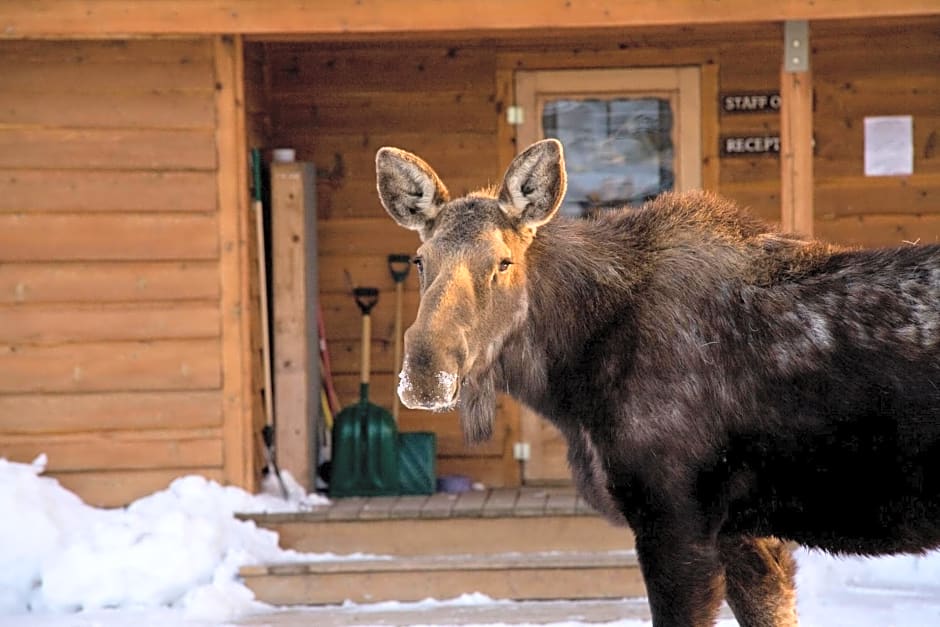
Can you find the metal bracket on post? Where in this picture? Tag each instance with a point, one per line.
(796, 46)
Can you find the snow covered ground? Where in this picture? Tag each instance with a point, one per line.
(171, 559)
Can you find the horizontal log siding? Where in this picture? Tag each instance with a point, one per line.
(110, 321)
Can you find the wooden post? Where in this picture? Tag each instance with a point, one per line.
(796, 132)
(233, 215)
(296, 355)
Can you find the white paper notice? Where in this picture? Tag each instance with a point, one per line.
(889, 145)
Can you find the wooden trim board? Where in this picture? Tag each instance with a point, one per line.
(237, 379)
(104, 18)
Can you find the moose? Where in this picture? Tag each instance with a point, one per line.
(724, 389)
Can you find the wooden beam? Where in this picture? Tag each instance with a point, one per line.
(237, 384)
(294, 292)
(711, 163)
(113, 18)
(796, 150)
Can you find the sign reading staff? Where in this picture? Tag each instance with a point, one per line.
(757, 102)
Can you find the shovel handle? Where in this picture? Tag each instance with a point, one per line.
(366, 298)
(399, 265)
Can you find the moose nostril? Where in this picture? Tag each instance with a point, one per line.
(448, 383)
(420, 358)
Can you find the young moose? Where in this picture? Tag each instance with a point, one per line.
(722, 388)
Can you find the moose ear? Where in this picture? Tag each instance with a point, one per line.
(409, 189)
(535, 184)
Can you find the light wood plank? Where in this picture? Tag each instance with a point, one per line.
(105, 76)
(850, 98)
(796, 152)
(106, 190)
(342, 17)
(470, 504)
(531, 502)
(500, 503)
(108, 282)
(523, 576)
(378, 508)
(238, 386)
(112, 366)
(151, 450)
(293, 211)
(364, 270)
(193, 52)
(408, 506)
(457, 535)
(54, 324)
(450, 438)
(438, 505)
(337, 111)
(388, 69)
(120, 149)
(880, 230)
(363, 236)
(561, 502)
(77, 413)
(117, 488)
(847, 196)
(346, 508)
(151, 109)
(99, 237)
(711, 164)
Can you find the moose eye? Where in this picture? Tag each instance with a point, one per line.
(419, 263)
(504, 265)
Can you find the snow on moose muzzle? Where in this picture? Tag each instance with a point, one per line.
(435, 391)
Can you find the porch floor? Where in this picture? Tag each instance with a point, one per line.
(491, 503)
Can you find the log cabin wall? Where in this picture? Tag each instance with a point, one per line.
(872, 69)
(336, 103)
(122, 344)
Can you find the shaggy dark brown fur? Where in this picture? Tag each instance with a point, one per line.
(721, 387)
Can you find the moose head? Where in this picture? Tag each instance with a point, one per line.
(472, 271)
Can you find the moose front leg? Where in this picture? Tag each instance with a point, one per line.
(683, 575)
(759, 581)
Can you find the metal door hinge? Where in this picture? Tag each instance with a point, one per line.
(521, 451)
(515, 115)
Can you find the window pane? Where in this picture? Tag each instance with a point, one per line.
(618, 151)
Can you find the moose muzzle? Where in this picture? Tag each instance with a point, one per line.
(430, 378)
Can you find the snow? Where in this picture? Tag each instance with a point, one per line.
(173, 557)
(180, 547)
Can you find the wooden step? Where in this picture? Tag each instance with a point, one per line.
(450, 536)
(496, 521)
(519, 576)
(581, 612)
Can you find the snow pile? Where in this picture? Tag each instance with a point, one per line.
(179, 547)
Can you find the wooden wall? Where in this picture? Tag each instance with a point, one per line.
(126, 327)
(337, 103)
(888, 68)
(120, 263)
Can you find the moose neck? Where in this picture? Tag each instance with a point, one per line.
(581, 278)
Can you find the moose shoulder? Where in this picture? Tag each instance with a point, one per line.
(722, 387)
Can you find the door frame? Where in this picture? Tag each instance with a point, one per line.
(683, 85)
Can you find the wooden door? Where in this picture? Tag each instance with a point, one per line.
(629, 135)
